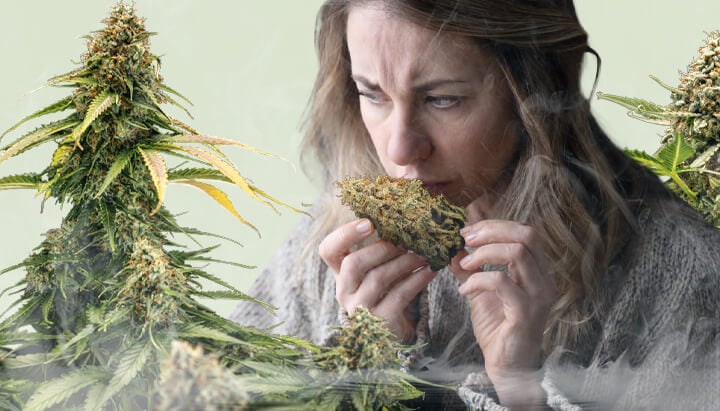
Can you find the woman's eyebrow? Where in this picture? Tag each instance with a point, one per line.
(429, 85)
(365, 82)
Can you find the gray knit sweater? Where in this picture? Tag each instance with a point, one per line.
(655, 345)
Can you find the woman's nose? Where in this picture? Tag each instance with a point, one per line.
(409, 141)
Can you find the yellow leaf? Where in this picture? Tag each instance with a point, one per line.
(225, 168)
(219, 196)
(275, 200)
(217, 140)
(39, 136)
(61, 154)
(155, 163)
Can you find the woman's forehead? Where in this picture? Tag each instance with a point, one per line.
(380, 42)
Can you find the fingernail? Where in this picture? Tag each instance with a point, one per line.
(470, 237)
(363, 227)
(466, 260)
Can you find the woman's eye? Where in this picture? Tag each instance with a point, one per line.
(371, 97)
(443, 101)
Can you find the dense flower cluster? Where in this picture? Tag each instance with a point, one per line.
(696, 103)
(406, 214)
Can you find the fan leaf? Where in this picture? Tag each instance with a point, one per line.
(217, 141)
(30, 180)
(201, 331)
(97, 107)
(36, 137)
(221, 198)
(197, 173)
(132, 362)
(117, 167)
(225, 168)
(155, 163)
(673, 154)
(60, 389)
(56, 107)
(643, 108)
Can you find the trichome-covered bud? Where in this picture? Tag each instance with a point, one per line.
(698, 94)
(407, 215)
(192, 380)
(697, 100)
(364, 343)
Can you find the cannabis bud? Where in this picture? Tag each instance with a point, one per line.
(407, 215)
(193, 380)
(365, 362)
(365, 343)
(697, 101)
(698, 95)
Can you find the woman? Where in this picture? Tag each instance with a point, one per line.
(578, 262)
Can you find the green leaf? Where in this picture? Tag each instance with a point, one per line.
(61, 389)
(56, 107)
(108, 222)
(25, 361)
(176, 104)
(274, 378)
(667, 161)
(201, 331)
(673, 154)
(169, 90)
(68, 77)
(641, 107)
(36, 138)
(117, 167)
(30, 180)
(20, 316)
(132, 361)
(197, 174)
(666, 87)
(229, 295)
(648, 161)
(61, 350)
(97, 107)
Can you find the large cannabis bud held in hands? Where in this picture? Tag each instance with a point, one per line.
(407, 215)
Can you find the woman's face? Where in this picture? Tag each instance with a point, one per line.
(436, 106)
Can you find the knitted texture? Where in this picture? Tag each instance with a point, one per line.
(656, 341)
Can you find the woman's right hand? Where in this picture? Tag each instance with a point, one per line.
(380, 277)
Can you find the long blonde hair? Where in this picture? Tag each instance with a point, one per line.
(571, 183)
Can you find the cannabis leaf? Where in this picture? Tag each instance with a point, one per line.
(60, 389)
(667, 161)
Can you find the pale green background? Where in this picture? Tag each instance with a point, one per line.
(248, 66)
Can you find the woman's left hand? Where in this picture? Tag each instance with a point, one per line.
(509, 307)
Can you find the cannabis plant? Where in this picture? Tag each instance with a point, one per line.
(689, 153)
(106, 293)
(360, 370)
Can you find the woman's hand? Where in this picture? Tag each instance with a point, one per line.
(510, 302)
(380, 277)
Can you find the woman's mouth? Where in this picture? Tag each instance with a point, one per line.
(435, 188)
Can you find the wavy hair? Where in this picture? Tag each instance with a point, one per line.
(571, 183)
